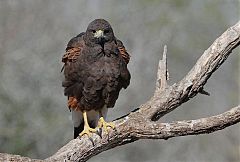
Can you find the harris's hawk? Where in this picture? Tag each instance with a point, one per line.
(95, 70)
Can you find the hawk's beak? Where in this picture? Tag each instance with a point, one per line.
(99, 34)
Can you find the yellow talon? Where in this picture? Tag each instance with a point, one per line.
(103, 124)
(87, 130)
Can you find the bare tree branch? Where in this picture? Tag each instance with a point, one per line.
(189, 127)
(4, 157)
(134, 127)
(193, 82)
(140, 124)
(162, 74)
(144, 124)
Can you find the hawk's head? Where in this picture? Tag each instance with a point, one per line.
(99, 32)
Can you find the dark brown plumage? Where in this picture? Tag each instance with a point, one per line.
(95, 69)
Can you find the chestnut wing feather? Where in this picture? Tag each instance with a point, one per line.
(74, 48)
(125, 55)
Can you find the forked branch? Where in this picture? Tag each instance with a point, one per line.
(143, 123)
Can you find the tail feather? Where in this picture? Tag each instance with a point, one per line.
(78, 130)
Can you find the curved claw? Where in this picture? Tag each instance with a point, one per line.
(103, 124)
(88, 131)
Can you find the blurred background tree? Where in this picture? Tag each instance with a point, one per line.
(34, 119)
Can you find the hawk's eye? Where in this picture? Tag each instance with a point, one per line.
(93, 31)
(106, 31)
